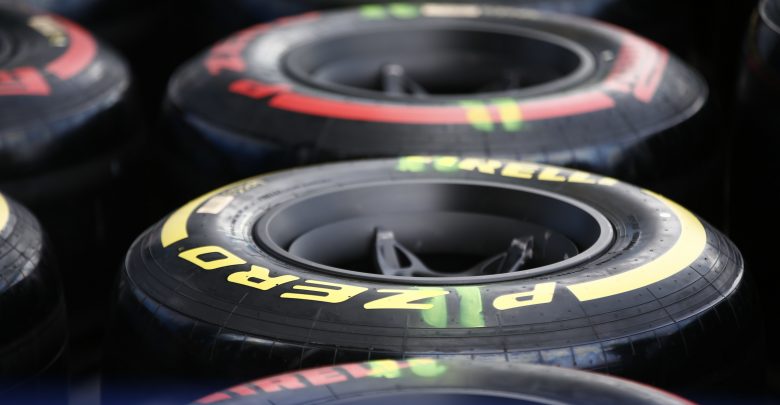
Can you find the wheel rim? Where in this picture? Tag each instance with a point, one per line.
(435, 232)
(441, 62)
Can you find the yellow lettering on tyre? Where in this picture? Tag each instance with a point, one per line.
(551, 174)
(541, 294)
(404, 299)
(446, 164)
(520, 170)
(510, 169)
(582, 178)
(225, 258)
(260, 278)
(414, 164)
(480, 165)
(333, 293)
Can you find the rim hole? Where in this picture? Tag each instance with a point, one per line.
(429, 62)
(431, 230)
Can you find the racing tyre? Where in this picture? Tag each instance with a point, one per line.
(759, 92)
(69, 141)
(33, 337)
(434, 256)
(116, 21)
(445, 79)
(429, 381)
(757, 123)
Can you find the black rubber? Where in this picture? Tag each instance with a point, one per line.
(116, 21)
(128, 25)
(32, 311)
(755, 147)
(755, 152)
(429, 381)
(153, 35)
(305, 89)
(60, 94)
(69, 143)
(195, 300)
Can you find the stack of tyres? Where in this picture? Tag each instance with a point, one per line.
(32, 312)
(472, 258)
(755, 159)
(440, 382)
(68, 139)
(445, 79)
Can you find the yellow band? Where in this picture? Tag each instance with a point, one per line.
(4, 212)
(688, 247)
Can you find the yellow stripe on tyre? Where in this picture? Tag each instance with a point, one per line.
(4, 212)
(686, 250)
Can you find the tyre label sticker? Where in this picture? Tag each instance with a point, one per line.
(389, 369)
(215, 205)
(175, 227)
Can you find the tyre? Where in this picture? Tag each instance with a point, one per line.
(32, 312)
(139, 30)
(434, 256)
(757, 123)
(115, 21)
(430, 381)
(70, 142)
(576, 93)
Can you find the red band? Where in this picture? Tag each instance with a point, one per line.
(638, 70)
(286, 99)
(23, 81)
(81, 50)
